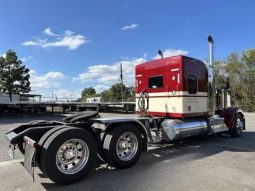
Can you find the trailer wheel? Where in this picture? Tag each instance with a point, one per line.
(68, 155)
(42, 141)
(123, 146)
(239, 126)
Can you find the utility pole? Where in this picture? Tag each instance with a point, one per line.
(121, 82)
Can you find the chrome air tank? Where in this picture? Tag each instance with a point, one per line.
(173, 129)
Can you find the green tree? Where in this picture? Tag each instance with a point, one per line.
(234, 71)
(114, 93)
(14, 76)
(247, 61)
(106, 95)
(87, 92)
(130, 93)
(220, 74)
(241, 72)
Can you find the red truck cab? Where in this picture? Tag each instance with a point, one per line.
(177, 86)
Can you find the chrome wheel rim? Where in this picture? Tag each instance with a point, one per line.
(127, 146)
(72, 156)
(239, 125)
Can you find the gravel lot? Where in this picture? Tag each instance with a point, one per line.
(201, 163)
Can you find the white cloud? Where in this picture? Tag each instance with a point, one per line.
(100, 88)
(128, 27)
(26, 59)
(53, 84)
(171, 52)
(68, 40)
(55, 75)
(31, 43)
(64, 94)
(50, 79)
(3, 55)
(106, 75)
(48, 31)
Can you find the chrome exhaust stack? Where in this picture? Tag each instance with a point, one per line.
(211, 80)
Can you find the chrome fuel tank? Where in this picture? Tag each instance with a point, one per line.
(173, 129)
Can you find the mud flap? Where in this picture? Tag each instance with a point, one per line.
(29, 161)
(11, 151)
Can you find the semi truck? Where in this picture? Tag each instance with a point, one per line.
(176, 98)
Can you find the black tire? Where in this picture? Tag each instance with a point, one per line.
(48, 157)
(42, 141)
(110, 146)
(239, 126)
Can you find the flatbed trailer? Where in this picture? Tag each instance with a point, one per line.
(173, 102)
(108, 106)
(39, 106)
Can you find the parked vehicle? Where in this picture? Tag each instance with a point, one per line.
(175, 98)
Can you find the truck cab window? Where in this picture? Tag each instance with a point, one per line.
(192, 84)
(156, 82)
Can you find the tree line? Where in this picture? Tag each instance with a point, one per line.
(113, 94)
(239, 69)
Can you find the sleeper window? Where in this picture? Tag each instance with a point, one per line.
(192, 84)
(156, 82)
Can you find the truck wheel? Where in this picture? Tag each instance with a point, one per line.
(42, 141)
(123, 146)
(68, 155)
(239, 126)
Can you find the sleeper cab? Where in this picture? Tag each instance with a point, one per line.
(177, 87)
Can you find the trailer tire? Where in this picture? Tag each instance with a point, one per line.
(42, 141)
(123, 146)
(238, 126)
(68, 155)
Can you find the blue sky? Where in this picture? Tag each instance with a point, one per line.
(70, 45)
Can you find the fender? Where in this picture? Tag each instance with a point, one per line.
(229, 115)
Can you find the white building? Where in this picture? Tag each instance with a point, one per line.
(93, 99)
(4, 98)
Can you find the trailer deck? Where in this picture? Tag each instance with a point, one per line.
(39, 106)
